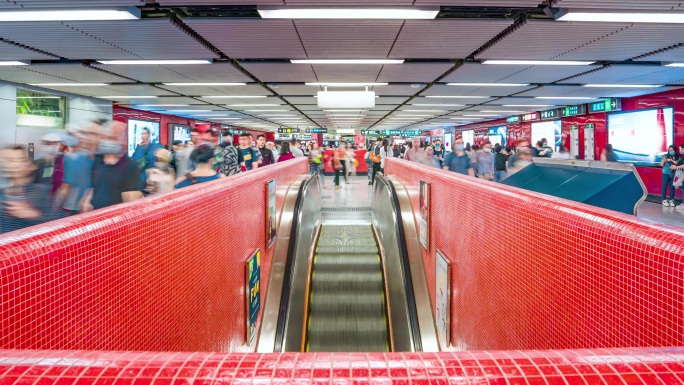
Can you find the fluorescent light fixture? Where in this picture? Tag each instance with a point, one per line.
(484, 115)
(205, 84)
(349, 13)
(416, 115)
(153, 62)
(349, 110)
(253, 105)
(423, 111)
(489, 84)
(71, 15)
(459, 118)
(456, 97)
(39, 97)
(674, 65)
(439, 105)
(621, 17)
(266, 110)
(565, 97)
(229, 119)
(235, 97)
(70, 84)
(341, 115)
(350, 61)
(623, 85)
(164, 105)
(128, 97)
(211, 115)
(346, 84)
(277, 115)
(13, 63)
(346, 99)
(506, 111)
(528, 105)
(540, 62)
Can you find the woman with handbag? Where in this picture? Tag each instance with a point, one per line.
(339, 164)
(668, 163)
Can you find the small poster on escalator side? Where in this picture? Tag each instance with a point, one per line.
(442, 299)
(424, 230)
(253, 294)
(271, 232)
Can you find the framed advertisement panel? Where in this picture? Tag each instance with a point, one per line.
(424, 226)
(443, 299)
(253, 294)
(271, 219)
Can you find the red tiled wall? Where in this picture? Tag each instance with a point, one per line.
(663, 366)
(163, 273)
(531, 271)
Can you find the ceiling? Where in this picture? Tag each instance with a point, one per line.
(244, 48)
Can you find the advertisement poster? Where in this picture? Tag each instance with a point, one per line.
(135, 132)
(551, 131)
(469, 137)
(271, 232)
(179, 132)
(498, 135)
(448, 142)
(641, 137)
(253, 270)
(442, 299)
(424, 214)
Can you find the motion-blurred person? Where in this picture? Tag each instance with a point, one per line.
(500, 159)
(116, 177)
(524, 156)
(670, 159)
(430, 158)
(415, 153)
(339, 164)
(25, 203)
(384, 151)
(78, 169)
(226, 158)
(369, 163)
(485, 162)
(458, 161)
(160, 178)
(248, 155)
(294, 148)
(267, 157)
(203, 155)
(521, 144)
(274, 150)
(562, 154)
(396, 152)
(607, 155)
(351, 163)
(46, 170)
(144, 153)
(285, 153)
(316, 160)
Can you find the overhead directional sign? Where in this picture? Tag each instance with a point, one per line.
(316, 130)
(530, 117)
(605, 106)
(550, 114)
(413, 132)
(289, 130)
(370, 132)
(574, 110)
(513, 119)
(391, 132)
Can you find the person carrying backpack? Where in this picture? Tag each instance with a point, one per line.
(226, 157)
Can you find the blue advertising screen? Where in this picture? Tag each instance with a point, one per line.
(641, 137)
(498, 135)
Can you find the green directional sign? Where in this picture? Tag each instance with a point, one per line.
(574, 110)
(370, 132)
(513, 119)
(413, 133)
(550, 114)
(316, 130)
(605, 106)
(391, 132)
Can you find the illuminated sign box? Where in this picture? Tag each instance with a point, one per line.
(391, 132)
(574, 110)
(289, 130)
(530, 117)
(316, 130)
(513, 119)
(605, 106)
(370, 132)
(550, 114)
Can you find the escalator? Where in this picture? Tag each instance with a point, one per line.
(337, 286)
(347, 309)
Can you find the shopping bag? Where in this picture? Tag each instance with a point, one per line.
(678, 180)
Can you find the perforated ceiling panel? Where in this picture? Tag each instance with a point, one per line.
(281, 72)
(215, 73)
(413, 72)
(646, 74)
(482, 3)
(670, 55)
(70, 3)
(514, 73)
(348, 39)
(13, 52)
(347, 72)
(147, 39)
(253, 38)
(444, 38)
(545, 40)
(662, 5)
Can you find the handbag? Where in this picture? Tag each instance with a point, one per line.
(678, 180)
(375, 158)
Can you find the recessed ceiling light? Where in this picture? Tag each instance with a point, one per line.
(70, 84)
(456, 97)
(152, 62)
(205, 84)
(163, 105)
(349, 13)
(565, 97)
(346, 84)
(351, 61)
(13, 63)
(71, 15)
(622, 17)
(540, 62)
(623, 85)
(235, 97)
(253, 105)
(128, 97)
(439, 105)
(489, 84)
(528, 105)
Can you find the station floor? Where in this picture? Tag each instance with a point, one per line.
(351, 204)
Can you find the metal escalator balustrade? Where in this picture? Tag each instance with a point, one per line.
(347, 309)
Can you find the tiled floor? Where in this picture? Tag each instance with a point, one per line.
(354, 194)
(657, 213)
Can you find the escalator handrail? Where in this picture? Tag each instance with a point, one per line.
(291, 253)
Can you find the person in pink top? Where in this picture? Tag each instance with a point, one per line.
(415, 153)
(285, 153)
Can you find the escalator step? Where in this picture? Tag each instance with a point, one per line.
(342, 304)
(349, 334)
(347, 282)
(367, 261)
(347, 249)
